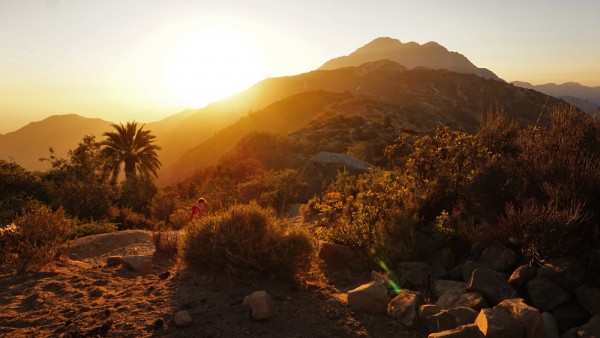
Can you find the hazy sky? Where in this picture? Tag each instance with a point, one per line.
(141, 59)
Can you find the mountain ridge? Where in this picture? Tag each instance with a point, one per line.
(411, 54)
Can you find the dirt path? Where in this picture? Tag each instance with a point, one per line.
(82, 297)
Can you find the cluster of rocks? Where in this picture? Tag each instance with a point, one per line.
(487, 297)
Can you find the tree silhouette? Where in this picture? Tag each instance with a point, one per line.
(133, 147)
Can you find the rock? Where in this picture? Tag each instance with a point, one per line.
(428, 310)
(114, 260)
(523, 274)
(391, 285)
(405, 307)
(569, 315)
(529, 317)
(570, 333)
(591, 328)
(335, 254)
(450, 319)
(468, 267)
(463, 331)
(443, 286)
(261, 304)
(498, 257)
(371, 297)
(438, 272)
(567, 274)
(545, 295)
(415, 273)
(493, 287)
(455, 273)
(473, 300)
(137, 263)
(182, 318)
(589, 298)
(550, 325)
(498, 323)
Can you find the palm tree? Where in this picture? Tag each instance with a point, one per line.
(133, 147)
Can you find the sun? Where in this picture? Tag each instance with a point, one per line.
(207, 67)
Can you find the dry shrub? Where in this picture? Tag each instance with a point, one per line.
(166, 242)
(33, 240)
(246, 242)
(179, 219)
(129, 219)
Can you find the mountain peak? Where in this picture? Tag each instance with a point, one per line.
(410, 55)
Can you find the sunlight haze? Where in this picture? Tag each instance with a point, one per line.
(144, 60)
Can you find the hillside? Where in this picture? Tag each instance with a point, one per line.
(61, 132)
(586, 98)
(418, 99)
(411, 55)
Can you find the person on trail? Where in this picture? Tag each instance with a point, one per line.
(198, 209)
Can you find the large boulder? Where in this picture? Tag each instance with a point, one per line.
(334, 254)
(591, 329)
(589, 298)
(567, 274)
(569, 315)
(371, 297)
(261, 305)
(463, 331)
(450, 319)
(405, 307)
(492, 285)
(529, 317)
(545, 295)
(473, 300)
(415, 273)
(455, 273)
(550, 325)
(523, 274)
(498, 257)
(443, 287)
(498, 323)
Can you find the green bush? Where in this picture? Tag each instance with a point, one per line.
(33, 240)
(246, 242)
(94, 228)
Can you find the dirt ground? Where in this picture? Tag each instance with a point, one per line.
(80, 296)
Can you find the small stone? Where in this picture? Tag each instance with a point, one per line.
(137, 263)
(450, 319)
(114, 260)
(443, 286)
(468, 267)
(473, 300)
(335, 254)
(415, 273)
(455, 273)
(428, 310)
(182, 318)
(261, 304)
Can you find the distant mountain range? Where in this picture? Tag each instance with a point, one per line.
(410, 55)
(417, 99)
(359, 85)
(586, 98)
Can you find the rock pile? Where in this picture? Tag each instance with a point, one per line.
(489, 297)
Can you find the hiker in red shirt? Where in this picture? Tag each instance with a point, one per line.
(198, 209)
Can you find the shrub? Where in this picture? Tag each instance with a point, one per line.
(246, 242)
(129, 219)
(33, 240)
(179, 219)
(94, 228)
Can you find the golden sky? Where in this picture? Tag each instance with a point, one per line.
(144, 59)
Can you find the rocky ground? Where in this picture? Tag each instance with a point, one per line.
(82, 296)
